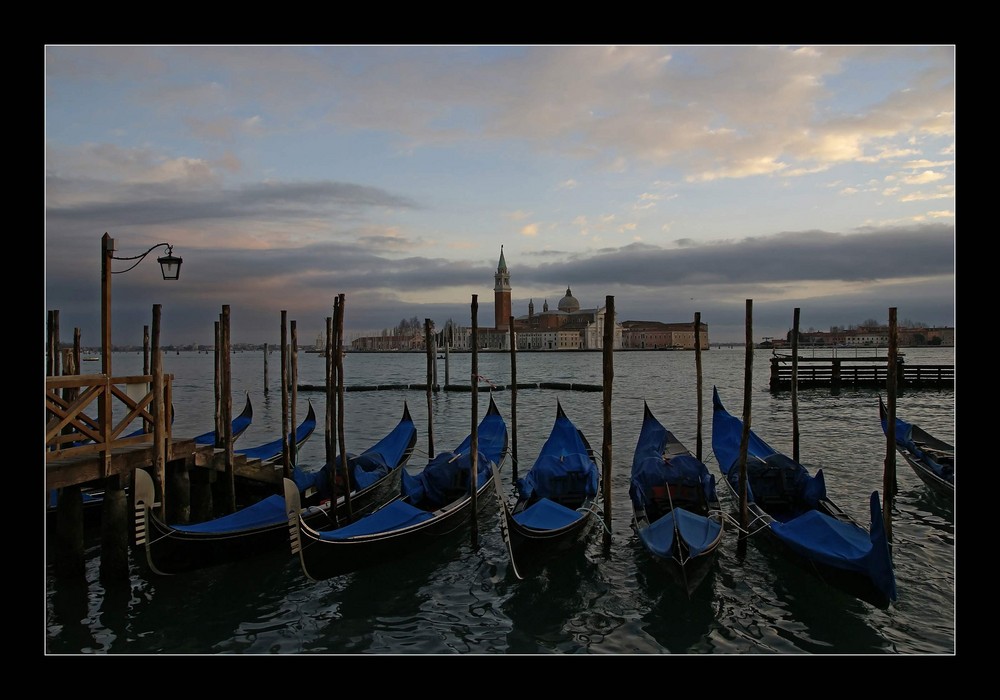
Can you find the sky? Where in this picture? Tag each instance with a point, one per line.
(674, 179)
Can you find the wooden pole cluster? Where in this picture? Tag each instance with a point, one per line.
(285, 455)
(70, 560)
(293, 389)
(609, 374)
(329, 446)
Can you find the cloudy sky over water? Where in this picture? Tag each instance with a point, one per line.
(677, 179)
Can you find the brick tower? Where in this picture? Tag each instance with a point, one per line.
(501, 294)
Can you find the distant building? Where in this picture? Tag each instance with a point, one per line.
(654, 335)
(875, 336)
(567, 327)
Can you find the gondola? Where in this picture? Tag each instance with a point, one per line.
(555, 505)
(431, 505)
(675, 506)
(931, 459)
(240, 425)
(271, 451)
(792, 507)
(172, 549)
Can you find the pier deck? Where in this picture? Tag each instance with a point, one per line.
(837, 372)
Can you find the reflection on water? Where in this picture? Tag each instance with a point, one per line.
(458, 599)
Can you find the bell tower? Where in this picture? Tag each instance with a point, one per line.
(501, 294)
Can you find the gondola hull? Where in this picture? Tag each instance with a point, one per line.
(430, 506)
(262, 526)
(676, 512)
(807, 527)
(931, 459)
(323, 558)
(555, 507)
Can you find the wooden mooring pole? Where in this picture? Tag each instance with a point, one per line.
(429, 355)
(697, 371)
(341, 418)
(513, 402)
(795, 384)
(745, 438)
(889, 473)
(474, 462)
(609, 375)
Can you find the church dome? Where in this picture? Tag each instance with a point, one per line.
(568, 303)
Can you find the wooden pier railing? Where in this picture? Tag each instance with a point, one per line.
(76, 438)
(837, 372)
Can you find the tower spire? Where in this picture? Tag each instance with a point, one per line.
(501, 293)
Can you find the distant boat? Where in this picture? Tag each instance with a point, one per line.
(92, 358)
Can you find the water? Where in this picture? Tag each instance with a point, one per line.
(457, 599)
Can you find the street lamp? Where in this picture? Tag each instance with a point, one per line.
(169, 265)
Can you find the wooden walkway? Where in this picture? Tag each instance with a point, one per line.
(837, 372)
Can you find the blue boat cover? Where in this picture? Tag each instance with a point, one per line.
(366, 469)
(426, 491)
(442, 476)
(272, 450)
(770, 474)
(563, 468)
(697, 531)
(904, 438)
(547, 515)
(394, 516)
(240, 425)
(812, 533)
(270, 511)
(651, 472)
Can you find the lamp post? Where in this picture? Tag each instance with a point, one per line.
(114, 541)
(169, 265)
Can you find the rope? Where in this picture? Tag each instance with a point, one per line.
(485, 379)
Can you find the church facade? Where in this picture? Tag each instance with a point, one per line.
(567, 327)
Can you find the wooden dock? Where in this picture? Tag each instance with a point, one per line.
(839, 372)
(90, 441)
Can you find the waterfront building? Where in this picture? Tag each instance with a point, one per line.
(654, 335)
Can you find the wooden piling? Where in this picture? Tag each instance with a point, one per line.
(265, 369)
(795, 384)
(330, 449)
(609, 374)
(340, 408)
(697, 371)
(285, 467)
(293, 378)
(70, 559)
(159, 425)
(332, 394)
(745, 438)
(889, 473)
(226, 361)
(474, 462)
(513, 401)
(429, 354)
